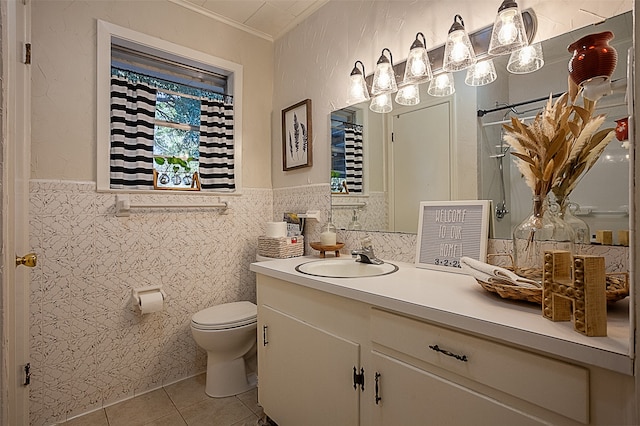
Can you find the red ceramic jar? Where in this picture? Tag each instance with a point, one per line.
(593, 58)
(622, 129)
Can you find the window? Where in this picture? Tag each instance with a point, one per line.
(168, 117)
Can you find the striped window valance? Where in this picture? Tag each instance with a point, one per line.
(132, 127)
(216, 146)
(353, 157)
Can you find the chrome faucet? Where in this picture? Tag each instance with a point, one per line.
(365, 254)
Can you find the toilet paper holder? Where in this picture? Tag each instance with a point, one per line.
(136, 292)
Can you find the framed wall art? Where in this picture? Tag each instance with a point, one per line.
(449, 230)
(296, 136)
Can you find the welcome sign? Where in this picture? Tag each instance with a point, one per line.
(449, 230)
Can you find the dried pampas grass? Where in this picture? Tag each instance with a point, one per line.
(560, 145)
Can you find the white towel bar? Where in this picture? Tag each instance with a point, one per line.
(349, 205)
(123, 206)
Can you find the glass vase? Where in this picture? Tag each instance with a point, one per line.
(539, 232)
(567, 211)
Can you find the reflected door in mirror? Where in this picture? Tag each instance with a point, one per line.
(420, 162)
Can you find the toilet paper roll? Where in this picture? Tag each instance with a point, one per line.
(276, 229)
(151, 302)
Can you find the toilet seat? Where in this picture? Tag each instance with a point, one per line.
(225, 316)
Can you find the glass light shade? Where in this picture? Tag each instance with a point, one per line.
(384, 78)
(458, 51)
(408, 95)
(508, 33)
(357, 88)
(417, 68)
(381, 103)
(483, 72)
(442, 85)
(526, 60)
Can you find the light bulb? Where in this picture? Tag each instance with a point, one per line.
(381, 103)
(508, 33)
(526, 55)
(418, 67)
(356, 88)
(410, 90)
(482, 68)
(442, 81)
(459, 52)
(408, 95)
(442, 85)
(483, 72)
(384, 79)
(526, 60)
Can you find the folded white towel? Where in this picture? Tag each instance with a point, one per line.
(491, 273)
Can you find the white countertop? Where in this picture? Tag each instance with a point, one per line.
(457, 300)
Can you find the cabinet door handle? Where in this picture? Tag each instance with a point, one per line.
(462, 358)
(378, 399)
(264, 335)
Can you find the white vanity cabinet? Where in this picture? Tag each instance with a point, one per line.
(309, 355)
(416, 371)
(426, 371)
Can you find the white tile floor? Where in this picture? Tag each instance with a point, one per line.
(180, 404)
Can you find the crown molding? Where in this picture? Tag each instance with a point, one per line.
(223, 19)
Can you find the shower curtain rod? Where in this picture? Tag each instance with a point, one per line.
(615, 85)
(599, 107)
(482, 112)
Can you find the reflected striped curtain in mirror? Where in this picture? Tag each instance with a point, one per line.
(353, 157)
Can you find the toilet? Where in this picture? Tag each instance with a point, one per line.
(228, 333)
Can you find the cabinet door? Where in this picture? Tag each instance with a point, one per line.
(305, 374)
(411, 396)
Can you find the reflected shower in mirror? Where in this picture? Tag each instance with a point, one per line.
(601, 199)
(476, 155)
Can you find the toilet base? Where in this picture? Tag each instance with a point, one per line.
(228, 378)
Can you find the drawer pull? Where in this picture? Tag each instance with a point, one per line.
(377, 389)
(462, 358)
(265, 342)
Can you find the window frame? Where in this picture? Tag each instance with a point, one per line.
(109, 34)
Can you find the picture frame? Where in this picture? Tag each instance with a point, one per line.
(297, 136)
(449, 230)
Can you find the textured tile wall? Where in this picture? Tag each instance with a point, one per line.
(89, 345)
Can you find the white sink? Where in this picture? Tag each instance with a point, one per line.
(344, 268)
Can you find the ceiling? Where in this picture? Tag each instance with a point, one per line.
(268, 19)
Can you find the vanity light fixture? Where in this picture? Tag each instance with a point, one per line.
(442, 85)
(417, 68)
(508, 34)
(526, 60)
(482, 73)
(381, 103)
(384, 77)
(358, 86)
(408, 95)
(458, 50)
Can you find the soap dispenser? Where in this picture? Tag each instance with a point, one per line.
(328, 233)
(355, 224)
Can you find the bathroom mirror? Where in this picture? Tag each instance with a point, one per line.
(464, 157)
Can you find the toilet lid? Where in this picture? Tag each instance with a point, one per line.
(227, 315)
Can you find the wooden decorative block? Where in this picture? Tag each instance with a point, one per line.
(575, 286)
(623, 237)
(604, 237)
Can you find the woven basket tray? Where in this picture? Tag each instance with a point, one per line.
(282, 247)
(617, 288)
